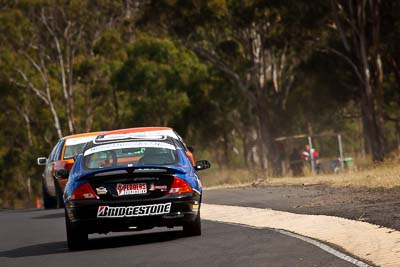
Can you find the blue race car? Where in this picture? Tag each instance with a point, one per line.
(131, 184)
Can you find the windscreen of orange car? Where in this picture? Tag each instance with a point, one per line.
(74, 145)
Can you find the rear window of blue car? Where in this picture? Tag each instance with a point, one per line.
(129, 153)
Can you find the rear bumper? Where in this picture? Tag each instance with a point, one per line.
(84, 214)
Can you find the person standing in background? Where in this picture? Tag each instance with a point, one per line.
(306, 155)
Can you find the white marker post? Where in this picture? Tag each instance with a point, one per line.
(341, 151)
(311, 154)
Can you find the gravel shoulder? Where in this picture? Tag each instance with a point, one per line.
(379, 206)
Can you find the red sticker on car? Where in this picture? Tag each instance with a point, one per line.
(131, 189)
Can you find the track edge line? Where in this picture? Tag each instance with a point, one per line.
(309, 240)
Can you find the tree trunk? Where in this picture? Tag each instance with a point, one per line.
(70, 88)
(262, 134)
(372, 96)
(365, 143)
(57, 124)
(372, 126)
(269, 147)
(226, 147)
(67, 90)
(250, 143)
(245, 152)
(28, 126)
(361, 40)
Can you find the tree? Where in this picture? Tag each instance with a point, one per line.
(27, 72)
(358, 25)
(50, 41)
(390, 31)
(157, 74)
(254, 45)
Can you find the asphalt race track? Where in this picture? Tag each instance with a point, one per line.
(37, 238)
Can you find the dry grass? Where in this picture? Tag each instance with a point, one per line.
(385, 175)
(216, 178)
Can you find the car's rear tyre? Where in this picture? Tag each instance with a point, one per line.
(49, 202)
(193, 228)
(76, 238)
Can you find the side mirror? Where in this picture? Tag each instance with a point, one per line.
(202, 165)
(41, 161)
(61, 174)
(190, 148)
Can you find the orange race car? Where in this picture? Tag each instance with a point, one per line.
(148, 132)
(61, 158)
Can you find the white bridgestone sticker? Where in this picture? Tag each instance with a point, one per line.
(133, 211)
(79, 140)
(128, 145)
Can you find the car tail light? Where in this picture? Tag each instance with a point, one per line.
(84, 191)
(180, 186)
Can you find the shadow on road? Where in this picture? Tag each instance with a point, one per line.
(27, 210)
(36, 250)
(133, 239)
(50, 216)
(95, 243)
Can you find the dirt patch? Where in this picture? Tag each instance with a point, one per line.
(374, 205)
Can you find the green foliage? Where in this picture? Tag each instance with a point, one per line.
(188, 64)
(157, 76)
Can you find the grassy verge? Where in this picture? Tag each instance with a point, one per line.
(386, 175)
(215, 178)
